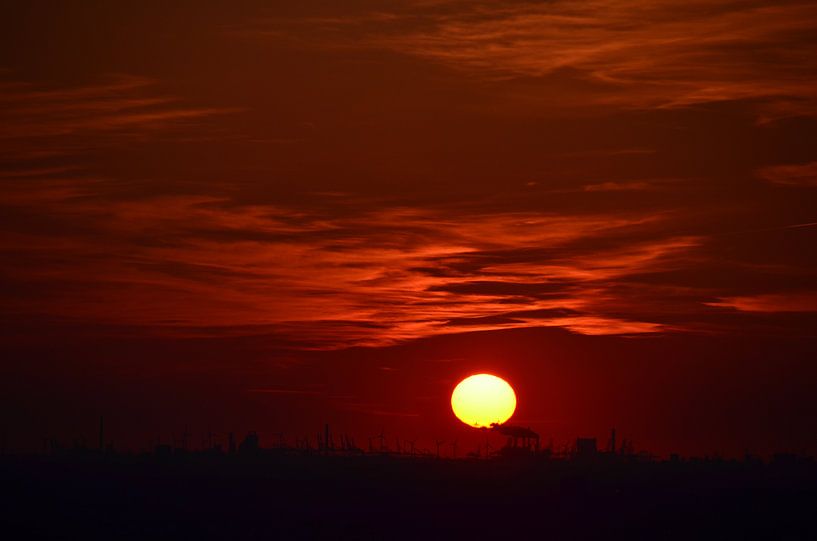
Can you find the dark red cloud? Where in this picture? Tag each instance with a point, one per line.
(791, 175)
(623, 53)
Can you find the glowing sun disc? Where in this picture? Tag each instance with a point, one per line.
(483, 399)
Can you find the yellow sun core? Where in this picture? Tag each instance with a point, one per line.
(483, 399)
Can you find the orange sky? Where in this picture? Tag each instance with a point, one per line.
(237, 197)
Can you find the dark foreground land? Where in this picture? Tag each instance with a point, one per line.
(290, 496)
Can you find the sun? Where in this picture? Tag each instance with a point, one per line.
(483, 399)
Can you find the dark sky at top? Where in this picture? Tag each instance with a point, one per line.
(268, 215)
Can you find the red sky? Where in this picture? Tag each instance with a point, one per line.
(249, 215)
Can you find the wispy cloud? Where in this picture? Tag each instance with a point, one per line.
(189, 264)
(43, 122)
(626, 53)
(791, 175)
(195, 259)
(373, 274)
(617, 186)
(771, 302)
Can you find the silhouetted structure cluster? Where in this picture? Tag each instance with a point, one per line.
(335, 489)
